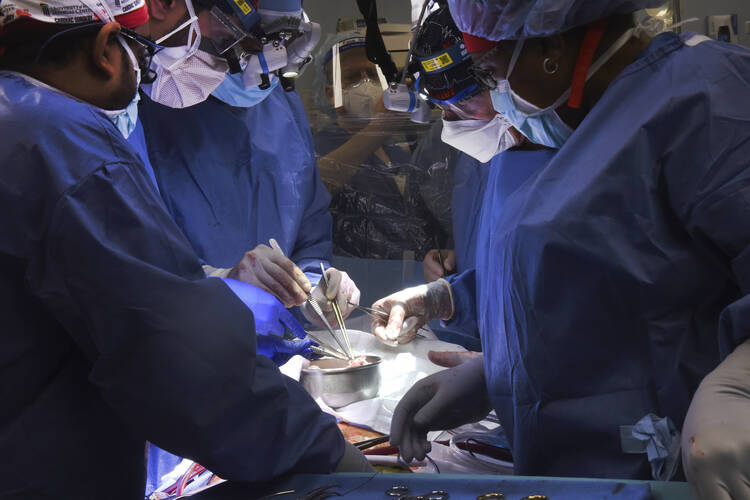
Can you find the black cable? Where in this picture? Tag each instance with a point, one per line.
(374, 44)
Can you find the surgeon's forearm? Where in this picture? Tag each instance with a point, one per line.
(338, 166)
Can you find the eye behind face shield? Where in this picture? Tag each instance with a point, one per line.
(229, 23)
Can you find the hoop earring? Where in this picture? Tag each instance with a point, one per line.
(547, 69)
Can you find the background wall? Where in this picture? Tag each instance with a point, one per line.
(703, 8)
(327, 13)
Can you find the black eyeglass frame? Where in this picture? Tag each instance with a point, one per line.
(150, 49)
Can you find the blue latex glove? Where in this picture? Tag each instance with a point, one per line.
(271, 317)
(280, 350)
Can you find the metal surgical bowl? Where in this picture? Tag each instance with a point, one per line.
(339, 384)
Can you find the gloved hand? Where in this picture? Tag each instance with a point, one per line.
(444, 400)
(341, 289)
(716, 433)
(271, 317)
(270, 270)
(280, 350)
(423, 303)
(431, 266)
(449, 359)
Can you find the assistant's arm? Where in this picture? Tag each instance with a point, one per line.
(173, 353)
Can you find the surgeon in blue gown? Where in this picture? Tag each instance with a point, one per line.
(472, 134)
(236, 171)
(107, 310)
(601, 284)
(234, 177)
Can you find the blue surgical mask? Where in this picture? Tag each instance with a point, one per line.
(542, 125)
(126, 119)
(234, 93)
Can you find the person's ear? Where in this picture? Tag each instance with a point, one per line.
(159, 9)
(166, 15)
(106, 54)
(553, 50)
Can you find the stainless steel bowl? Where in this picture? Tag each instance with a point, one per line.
(339, 384)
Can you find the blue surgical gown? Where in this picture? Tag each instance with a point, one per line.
(470, 180)
(455, 174)
(111, 335)
(233, 178)
(601, 284)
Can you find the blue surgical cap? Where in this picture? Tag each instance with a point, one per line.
(513, 19)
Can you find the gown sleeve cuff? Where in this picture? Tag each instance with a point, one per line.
(216, 272)
(463, 287)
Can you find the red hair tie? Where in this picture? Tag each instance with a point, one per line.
(585, 58)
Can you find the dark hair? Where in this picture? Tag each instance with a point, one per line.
(23, 43)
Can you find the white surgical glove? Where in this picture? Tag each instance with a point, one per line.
(716, 433)
(271, 271)
(412, 307)
(341, 288)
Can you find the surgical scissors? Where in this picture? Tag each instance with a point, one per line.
(402, 493)
(378, 314)
(321, 493)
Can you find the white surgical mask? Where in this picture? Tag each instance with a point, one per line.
(125, 119)
(185, 76)
(542, 125)
(361, 98)
(480, 139)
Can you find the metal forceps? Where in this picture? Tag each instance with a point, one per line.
(339, 316)
(316, 308)
(324, 346)
(378, 314)
(402, 493)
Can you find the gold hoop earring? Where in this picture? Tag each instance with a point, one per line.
(546, 66)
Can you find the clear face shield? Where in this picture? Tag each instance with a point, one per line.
(354, 79)
(471, 103)
(223, 31)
